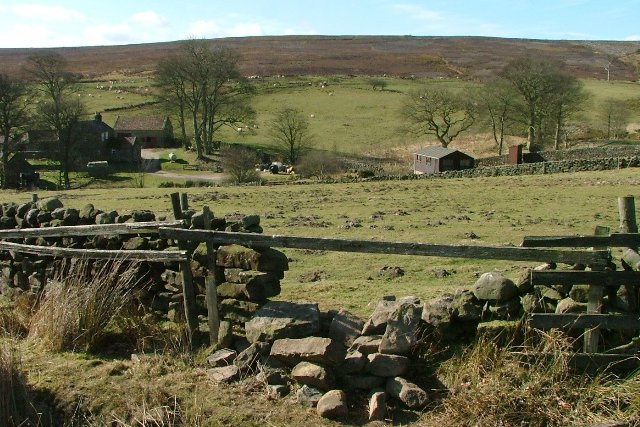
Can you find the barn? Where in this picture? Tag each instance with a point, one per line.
(151, 131)
(437, 159)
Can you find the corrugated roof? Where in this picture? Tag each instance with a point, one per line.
(139, 123)
(436, 151)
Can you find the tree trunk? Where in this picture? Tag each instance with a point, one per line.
(183, 127)
(5, 160)
(197, 137)
(501, 143)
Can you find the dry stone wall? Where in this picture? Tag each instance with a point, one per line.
(251, 276)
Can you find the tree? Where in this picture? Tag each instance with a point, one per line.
(499, 102)
(290, 133)
(439, 112)
(240, 163)
(208, 86)
(59, 110)
(171, 80)
(64, 117)
(566, 100)
(13, 116)
(615, 115)
(548, 94)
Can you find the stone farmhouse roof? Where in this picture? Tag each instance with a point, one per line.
(140, 123)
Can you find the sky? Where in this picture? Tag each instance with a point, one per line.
(66, 23)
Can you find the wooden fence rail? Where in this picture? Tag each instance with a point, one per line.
(600, 278)
(89, 230)
(133, 255)
(612, 240)
(588, 257)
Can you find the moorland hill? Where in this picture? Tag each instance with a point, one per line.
(402, 56)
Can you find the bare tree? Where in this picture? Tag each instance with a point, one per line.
(240, 163)
(439, 112)
(13, 116)
(615, 115)
(549, 96)
(59, 111)
(172, 80)
(565, 102)
(498, 102)
(290, 132)
(209, 87)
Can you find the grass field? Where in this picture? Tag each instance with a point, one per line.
(499, 211)
(349, 117)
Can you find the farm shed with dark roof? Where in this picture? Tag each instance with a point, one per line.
(436, 159)
(151, 131)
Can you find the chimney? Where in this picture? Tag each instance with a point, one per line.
(98, 117)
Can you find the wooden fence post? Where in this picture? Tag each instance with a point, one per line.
(628, 224)
(594, 304)
(184, 201)
(175, 205)
(627, 209)
(216, 277)
(188, 289)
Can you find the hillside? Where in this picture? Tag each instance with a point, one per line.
(402, 56)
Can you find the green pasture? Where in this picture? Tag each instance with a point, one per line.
(346, 115)
(499, 211)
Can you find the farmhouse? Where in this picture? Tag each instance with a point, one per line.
(436, 159)
(151, 131)
(93, 140)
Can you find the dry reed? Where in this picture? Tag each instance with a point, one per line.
(80, 303)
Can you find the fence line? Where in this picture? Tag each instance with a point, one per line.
(588, 257)
(137, 255)
(89, 230)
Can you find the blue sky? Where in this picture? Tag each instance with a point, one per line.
(54, 23)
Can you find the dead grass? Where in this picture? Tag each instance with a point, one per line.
(79, 304)
(490, 385)
(15, 406)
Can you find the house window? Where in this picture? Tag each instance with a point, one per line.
(104, 136)
(465, 163)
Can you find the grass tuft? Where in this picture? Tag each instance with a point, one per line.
(15, 406)
(491, 385)
(79, 304)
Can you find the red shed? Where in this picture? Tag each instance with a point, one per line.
(436, 159)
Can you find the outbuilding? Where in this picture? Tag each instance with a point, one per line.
(151, 131)
(437, 159)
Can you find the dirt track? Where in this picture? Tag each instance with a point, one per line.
(151, 161)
